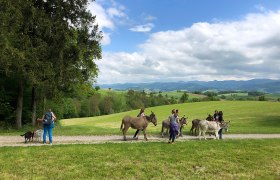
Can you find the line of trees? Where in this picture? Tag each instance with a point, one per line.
(47, 51)
(95, 103)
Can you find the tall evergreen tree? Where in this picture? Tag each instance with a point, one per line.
(50, 45)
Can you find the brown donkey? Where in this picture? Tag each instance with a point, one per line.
(137, 123)
(166, 123)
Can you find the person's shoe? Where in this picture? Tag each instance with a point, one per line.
(169, 142)
(173, 142)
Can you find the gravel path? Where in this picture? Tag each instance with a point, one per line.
(19, 141)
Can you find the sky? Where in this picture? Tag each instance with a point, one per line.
(186, 40)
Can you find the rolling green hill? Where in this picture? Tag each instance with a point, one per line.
(245, 117)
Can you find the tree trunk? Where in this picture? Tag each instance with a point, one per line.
(34, 106)
(19, 105)
(44, 104)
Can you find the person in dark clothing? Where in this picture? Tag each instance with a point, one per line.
(220, 119)
(140, 114)
(215, 115)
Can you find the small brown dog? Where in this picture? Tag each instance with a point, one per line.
(28, 136)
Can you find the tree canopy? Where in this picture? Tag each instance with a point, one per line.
(49, 46)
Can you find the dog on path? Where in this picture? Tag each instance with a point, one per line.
(28, 136)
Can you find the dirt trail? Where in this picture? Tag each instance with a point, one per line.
(19, 141)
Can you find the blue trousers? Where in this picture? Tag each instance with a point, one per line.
(172, 135)
(48, 129)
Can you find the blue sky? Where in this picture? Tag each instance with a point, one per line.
(183, 40)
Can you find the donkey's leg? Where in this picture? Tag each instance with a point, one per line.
(124, 130)
(195, 131)
(181, 131)
(199, 134)
(204, 134)
(145, 135)
(162, 131)
(216, 135)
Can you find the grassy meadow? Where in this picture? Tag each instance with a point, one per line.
(245, 117)
(190, 159)
(227, 159)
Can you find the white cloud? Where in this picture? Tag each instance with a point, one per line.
(148, 17)
(143, 28)
(113, 12)
(101, 16)
(107, 17)
(237, 50)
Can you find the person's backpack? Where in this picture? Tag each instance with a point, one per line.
(48, 118)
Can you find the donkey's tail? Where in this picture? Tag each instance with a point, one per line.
(121, 125)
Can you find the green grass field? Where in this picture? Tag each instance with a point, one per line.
(192, 159)
(228, 159)
(245, 116)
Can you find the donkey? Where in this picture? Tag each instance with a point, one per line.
(195, 122)
(194, 127)
(137, 123)
(212, 127)
(166, 123)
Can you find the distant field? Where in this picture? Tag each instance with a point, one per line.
(245, 117)
(273, 96)
(178, 95)
(106, 91)
(235, 94)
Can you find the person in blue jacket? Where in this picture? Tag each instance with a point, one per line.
(48, 125)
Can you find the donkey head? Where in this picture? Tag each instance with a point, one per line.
(153, 118)
(210, 117)
(225, 126)
(183, 120)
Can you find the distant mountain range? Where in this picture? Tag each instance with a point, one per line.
(263, 85)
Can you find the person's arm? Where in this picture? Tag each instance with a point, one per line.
(41, 120)
(54, 117)
(177, 120)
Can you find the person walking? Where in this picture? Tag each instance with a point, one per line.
(140, 114)
(48, 125)
(220, 120)
(173, 127)
(216, 115)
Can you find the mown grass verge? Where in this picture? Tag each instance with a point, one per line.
(227, 159)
